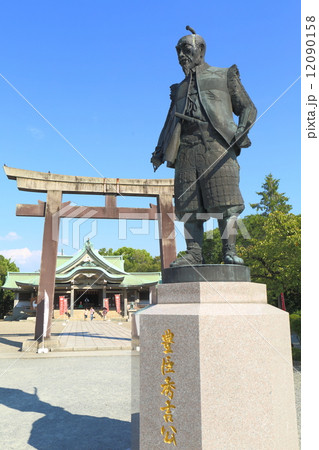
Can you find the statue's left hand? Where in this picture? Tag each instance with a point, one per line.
(240, 136)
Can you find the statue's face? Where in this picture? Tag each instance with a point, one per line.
(189, 55)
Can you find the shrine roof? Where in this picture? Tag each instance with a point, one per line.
(88, 269)
(87, 263)
(116, 261)
(89, 254)
(27, 278)
(62, 259)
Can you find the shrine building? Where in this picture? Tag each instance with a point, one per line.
(86, 279)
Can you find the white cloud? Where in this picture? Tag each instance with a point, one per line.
(27, 260)
(11, 236)
(36, 132)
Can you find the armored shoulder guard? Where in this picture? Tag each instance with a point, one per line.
(233, 72)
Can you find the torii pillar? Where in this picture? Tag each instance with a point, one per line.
(48, 263)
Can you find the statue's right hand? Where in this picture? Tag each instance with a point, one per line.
(157, 158)
(156, 163)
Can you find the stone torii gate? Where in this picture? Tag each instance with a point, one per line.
(54, 209)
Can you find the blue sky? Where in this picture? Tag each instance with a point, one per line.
(100, 73)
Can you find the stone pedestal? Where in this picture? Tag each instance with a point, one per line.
(216, 370)
(205, 272)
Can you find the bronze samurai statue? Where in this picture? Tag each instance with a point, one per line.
(201, 141)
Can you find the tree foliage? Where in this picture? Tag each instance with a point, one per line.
(212, 247)
(271, 200)
(6, 265)
(135, 260)
(273, 254)
(295, 323)
(269, 243)
(6, 297)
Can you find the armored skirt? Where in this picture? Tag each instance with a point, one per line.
(206, 174)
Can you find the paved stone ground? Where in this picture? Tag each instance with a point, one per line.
(13, 333)
(54, 402)
(70, 399)
(74, 335)
(96, 335)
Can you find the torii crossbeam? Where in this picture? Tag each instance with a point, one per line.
(54, 209)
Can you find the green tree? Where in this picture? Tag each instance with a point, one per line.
(273, 251)
(271, 199)
(295, 323)
(212, 247)
(270, 245)
(250, 226)
(273, 254)
(6, 297)
(105, 252)
(135, 260)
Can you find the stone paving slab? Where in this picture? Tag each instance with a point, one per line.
(84, 335)
(48, 402)
(14, 333)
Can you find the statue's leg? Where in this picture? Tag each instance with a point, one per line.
(228, 232)
(194, 233)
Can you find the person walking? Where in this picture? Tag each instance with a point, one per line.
(92, 313)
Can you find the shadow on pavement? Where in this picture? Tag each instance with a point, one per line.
(59, 429)
(10, 342)
(90, 335)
